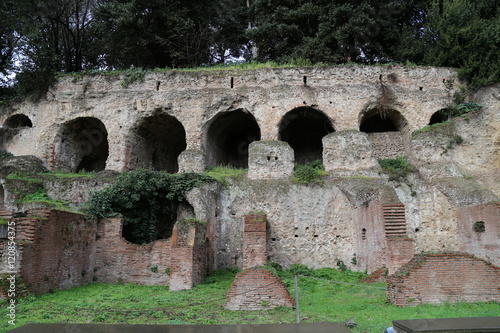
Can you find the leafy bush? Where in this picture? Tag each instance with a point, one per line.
(309, 173)
(142, 197)
(396, 168)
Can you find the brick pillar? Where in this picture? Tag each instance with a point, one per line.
(254, 241)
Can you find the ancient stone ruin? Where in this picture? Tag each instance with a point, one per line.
(445, 209)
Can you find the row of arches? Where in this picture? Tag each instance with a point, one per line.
(157, 140)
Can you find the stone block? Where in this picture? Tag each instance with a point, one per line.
(270, 160)
(348, 151)
(191, 161)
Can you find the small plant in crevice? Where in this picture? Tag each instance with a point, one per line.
(479, 227)
(309, 173)
(154, 268)
(397, 168)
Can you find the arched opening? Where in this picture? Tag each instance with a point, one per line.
(227, 137)
(18, 121)
(158, 141)
(82, 145)
(440, 116)
(386, 130)
(304, 128)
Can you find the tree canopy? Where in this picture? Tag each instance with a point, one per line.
(39, 38)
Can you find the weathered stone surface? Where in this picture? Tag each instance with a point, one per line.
(270, 160)
(348, 151)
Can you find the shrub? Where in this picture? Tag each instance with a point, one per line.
(309, 173)
(396, 168)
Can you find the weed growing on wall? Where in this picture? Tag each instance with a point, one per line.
(143, 197)
(397, 168)
(309, 173)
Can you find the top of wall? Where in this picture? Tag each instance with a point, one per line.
(412, 78)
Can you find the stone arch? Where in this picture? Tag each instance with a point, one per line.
(81, 145)
(157, 142)
(387, 130)
(18, 121)
(226, 138)
(303, 128)
(440, 116)
(378, 121)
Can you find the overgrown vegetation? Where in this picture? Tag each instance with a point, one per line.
(222, 174)
(4, 154)
(41, 196)
(142, 196)
(326, 295)
(397, 168)
(312, 172)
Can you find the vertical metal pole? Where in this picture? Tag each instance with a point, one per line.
(297, 308)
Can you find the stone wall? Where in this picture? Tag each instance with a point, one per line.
(270, 160)
(387, 144)
(440, 278)
(194, 99)
(57, 250)
(479, 231)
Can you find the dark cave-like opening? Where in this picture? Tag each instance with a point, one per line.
(82, 145)
(18, 121)
(227, 137)
(304, 128)
(158, 141)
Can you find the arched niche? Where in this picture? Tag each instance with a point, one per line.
(440, 116)
(157, 142)
(303, 128)
(387, 130)
(18, 121)
(82, 145)
(227, 137)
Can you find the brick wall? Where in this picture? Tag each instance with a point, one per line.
(256, 288)
(254, 241)
(57, 251)
(118, 260)
(189, 256)
(439, 278)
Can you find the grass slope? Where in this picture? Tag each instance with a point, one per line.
(320, 301)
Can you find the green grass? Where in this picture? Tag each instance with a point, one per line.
(320, 301)
(65, 174)
(222, 174)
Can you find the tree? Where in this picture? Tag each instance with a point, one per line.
(156, 33)
(8, 39)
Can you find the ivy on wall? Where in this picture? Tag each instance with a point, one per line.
(144, 198)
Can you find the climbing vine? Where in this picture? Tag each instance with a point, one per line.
(143, 197)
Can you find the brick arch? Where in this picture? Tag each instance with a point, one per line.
(156, 141)
(303, 128)
(226, 138)
(81, 144)
(18, 121)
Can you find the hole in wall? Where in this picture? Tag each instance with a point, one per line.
(82, 145)
(158, 83)
(417, 229)
(227, 137)
(303, 128)
(440, 116)
(304, 79)
(363, 234)
(232, 82)
(18, 121)
(157, 142)
(479, 227)
(420, 88)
